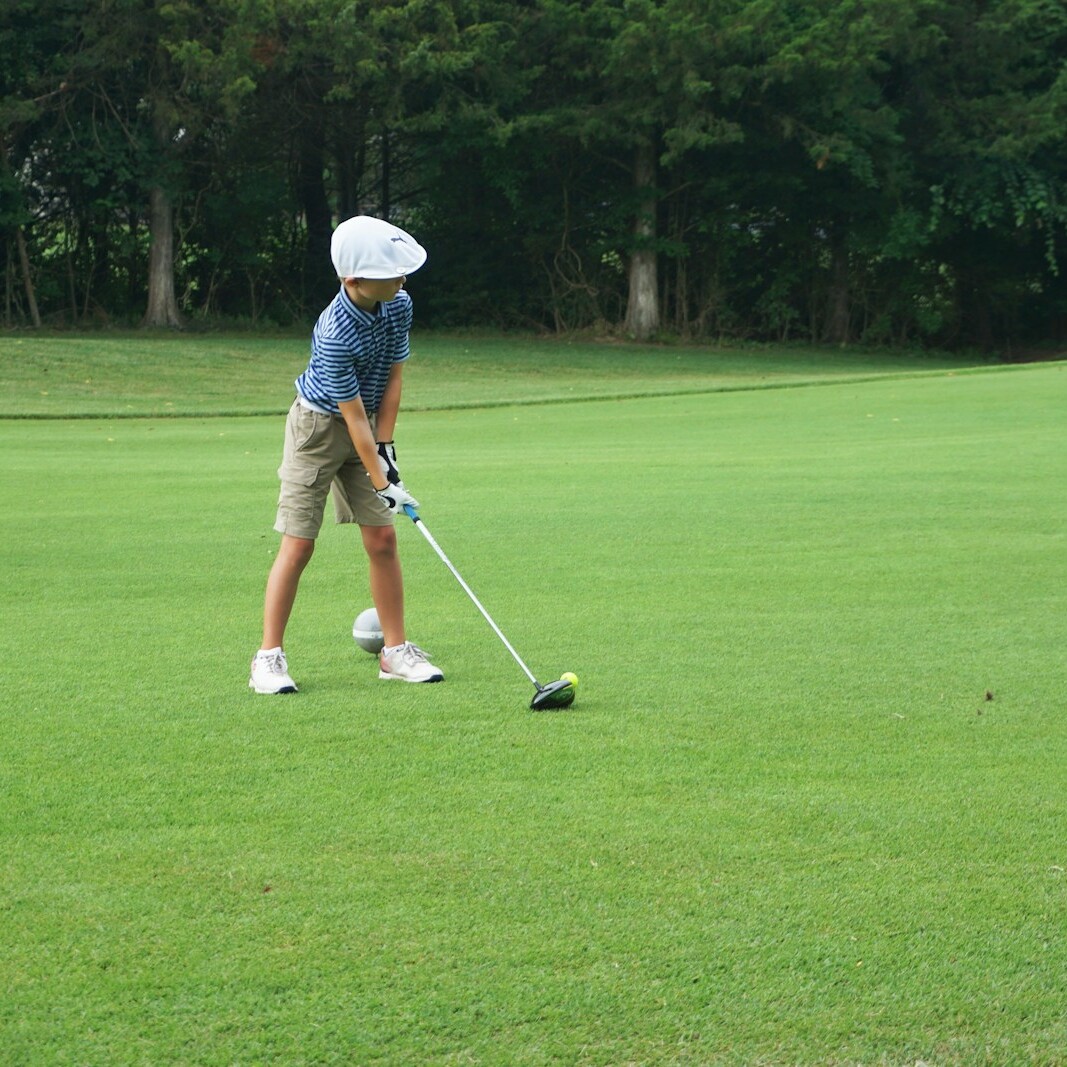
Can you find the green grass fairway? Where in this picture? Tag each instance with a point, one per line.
(117, 374)
(809, 807)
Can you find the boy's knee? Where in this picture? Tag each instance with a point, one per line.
(297, 550)
(380, 540)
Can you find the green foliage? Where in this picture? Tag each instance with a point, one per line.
(818, 164)
(32, 40)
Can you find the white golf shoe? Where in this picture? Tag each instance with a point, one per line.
(408, 663)
(270, 673)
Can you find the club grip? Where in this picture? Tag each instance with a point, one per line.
(411, 513)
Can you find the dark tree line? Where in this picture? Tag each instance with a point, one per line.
(884, 171)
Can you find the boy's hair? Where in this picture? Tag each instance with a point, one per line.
(366, 247)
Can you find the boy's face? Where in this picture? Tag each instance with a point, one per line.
(366, 292)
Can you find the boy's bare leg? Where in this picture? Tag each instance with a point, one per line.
(282, 583)
(386, 580)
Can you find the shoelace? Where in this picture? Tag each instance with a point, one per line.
(412, 654)
(275, 663)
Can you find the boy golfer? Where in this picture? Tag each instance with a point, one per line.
(339, 436)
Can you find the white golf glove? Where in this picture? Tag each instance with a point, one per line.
(394, 497)
(387, 459)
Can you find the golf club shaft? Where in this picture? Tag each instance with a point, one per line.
(414, 516)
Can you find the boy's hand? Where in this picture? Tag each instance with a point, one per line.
(394, 497)
(387, 459)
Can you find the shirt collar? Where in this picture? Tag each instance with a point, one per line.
(354, 310)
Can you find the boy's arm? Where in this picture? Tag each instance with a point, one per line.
(355, 416)
(390, 405)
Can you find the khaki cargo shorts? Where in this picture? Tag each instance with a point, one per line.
(319, 456)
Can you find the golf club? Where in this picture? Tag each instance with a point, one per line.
(550, 697)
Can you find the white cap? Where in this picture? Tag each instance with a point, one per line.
(365, 247)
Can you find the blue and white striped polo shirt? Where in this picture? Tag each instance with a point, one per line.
(353, 351)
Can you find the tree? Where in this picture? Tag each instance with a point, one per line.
(995, 158)
(829, 93)
(165, 73)
(670, 73)
(31, 84)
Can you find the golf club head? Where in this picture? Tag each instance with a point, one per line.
(553, 696)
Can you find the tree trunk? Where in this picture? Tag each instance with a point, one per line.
(642, 306)
(320, 282)
(387, 176)
(24, 263)
(162, 302)
(838, 304)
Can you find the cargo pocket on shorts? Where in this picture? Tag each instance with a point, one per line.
(297, 473)
(301, 499)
